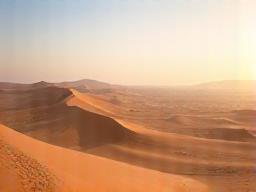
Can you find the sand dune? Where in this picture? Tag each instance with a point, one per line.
(135, 138)
(250, 113)
(19, 86)
(156, 151)
(47, 118)
(88, 85)
(91, 173)
(20, 172)
(93, 104)
(228, 85)
(200, 121)
(230, 151)
(214, 126)
(32, 98)
(245, 116)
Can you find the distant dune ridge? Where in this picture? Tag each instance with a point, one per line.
(19, 86)
(94, 84)
(147, 128)
(229, 85)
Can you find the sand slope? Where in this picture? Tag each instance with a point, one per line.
(139, 136)
(187, 155)
(20, 172)
(81, 172)
(215, 155)
(43, 114)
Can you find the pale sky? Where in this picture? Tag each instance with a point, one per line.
(135, 42)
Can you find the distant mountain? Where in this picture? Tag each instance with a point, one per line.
(86, 85)
(41, 84)
(90, 84)
(5, 85)
(20, 86)
(228, 85)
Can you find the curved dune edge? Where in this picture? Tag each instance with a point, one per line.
(91, 104)
(82, 172)
(95, 105)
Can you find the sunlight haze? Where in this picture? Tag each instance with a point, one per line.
(155, 42)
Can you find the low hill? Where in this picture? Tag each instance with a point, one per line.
(87, 85)
(20, 86)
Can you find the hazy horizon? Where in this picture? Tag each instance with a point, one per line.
(142, 85)
(159, 43)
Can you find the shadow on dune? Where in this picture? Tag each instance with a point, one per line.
(181, 158)
(227, 134)
(32, 98)
(67, 126)
(43, 114)
(229, 126)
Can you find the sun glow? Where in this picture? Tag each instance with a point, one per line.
(155, 42)
(254, 71)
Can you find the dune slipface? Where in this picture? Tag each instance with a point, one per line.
(48, 118)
